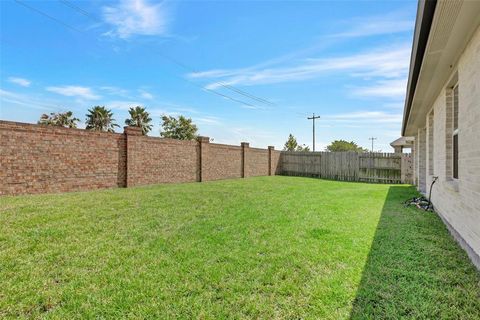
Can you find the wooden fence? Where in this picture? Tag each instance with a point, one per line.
(348, 166)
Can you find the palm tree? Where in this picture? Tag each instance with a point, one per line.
(100, 118)
(139, 118)
(60, 119)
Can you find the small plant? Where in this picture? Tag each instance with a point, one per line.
(292, 145)
(181, 128)
(139, 118)
(59, 119)
(100, 118)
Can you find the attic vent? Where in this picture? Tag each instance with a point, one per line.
(445, 21)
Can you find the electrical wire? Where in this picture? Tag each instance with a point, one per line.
(82, 32)
(173, 60)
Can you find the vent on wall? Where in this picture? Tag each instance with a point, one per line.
(444, 22)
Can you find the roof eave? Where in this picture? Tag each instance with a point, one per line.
(423, 24)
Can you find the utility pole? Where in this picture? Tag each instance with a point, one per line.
(313, 117)
(372, 138)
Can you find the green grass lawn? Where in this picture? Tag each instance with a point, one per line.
(267, 248)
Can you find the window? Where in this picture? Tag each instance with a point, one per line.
(455, 132)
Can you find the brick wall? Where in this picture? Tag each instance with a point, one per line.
(223, 162)
(275, 167)
(257, 162)
(40, 159)
(153, 160)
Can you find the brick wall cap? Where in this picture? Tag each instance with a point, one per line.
(245, 144)
(21, 126)
(136, 131)
(203, 139)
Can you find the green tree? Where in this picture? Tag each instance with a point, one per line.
(303, 148)
(100, 118)
(292, 145)
(139, 118)
(342, 145)
(180, 128)
(59, 119)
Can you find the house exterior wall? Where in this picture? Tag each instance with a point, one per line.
(414, 161)
(422, 159)
(407, 169)
(456, 201)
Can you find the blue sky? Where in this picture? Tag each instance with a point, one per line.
(347, 61)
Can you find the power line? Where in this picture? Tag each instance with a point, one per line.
(77, 8)
(48, 16)
(251, 96)
(173, 60)
(82, 32)
(313, 117)
(223, 95)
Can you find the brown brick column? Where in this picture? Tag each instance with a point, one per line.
(204, 145)
(131, 134)
(270, 154)
(245, 146)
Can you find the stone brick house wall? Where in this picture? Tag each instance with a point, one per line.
(41, 159)
(457, 201)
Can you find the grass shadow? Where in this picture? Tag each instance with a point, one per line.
(415, 269)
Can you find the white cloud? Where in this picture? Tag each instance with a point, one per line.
(233, 134)
(27, 101)
(122, 105)
(146, 95)
(136, 17)
(74, 91)
(385, 88)
(20, 81)
(388, 62)
(383, 69)
(207, 120)
(394, 105)
(364, 117)
(179, 108)
(156, 109)
(116, 91)
(390, 23)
